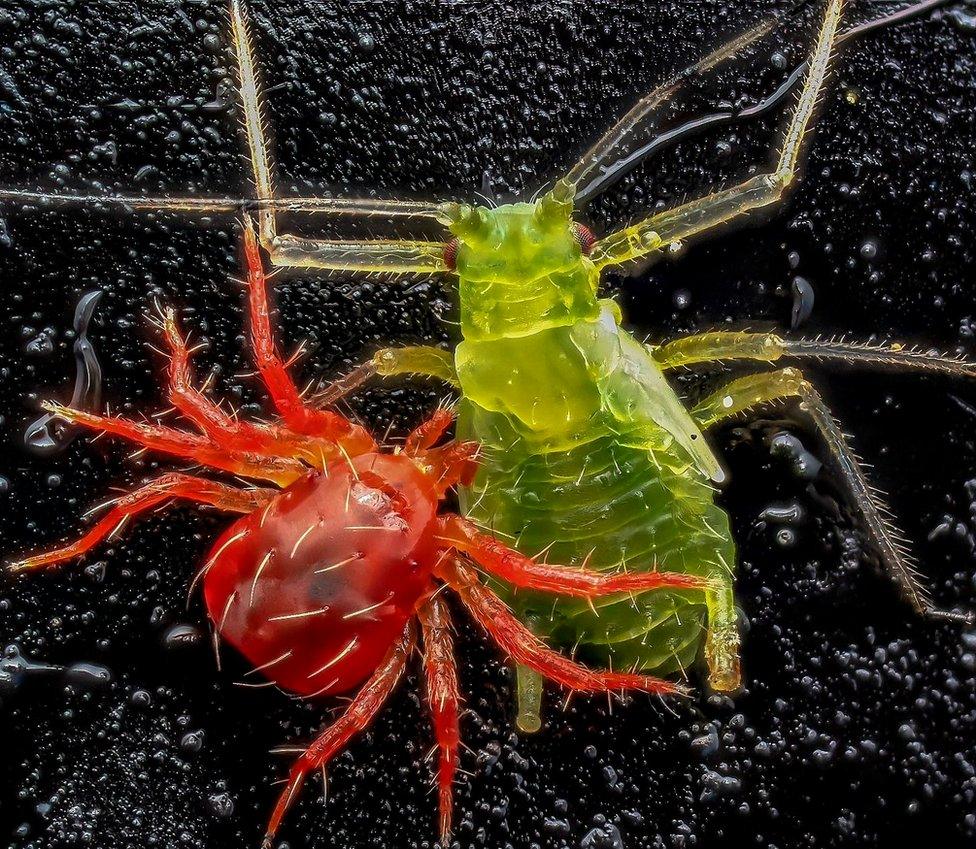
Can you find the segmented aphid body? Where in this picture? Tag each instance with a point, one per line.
(588, 453)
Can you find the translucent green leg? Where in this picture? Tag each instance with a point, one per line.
(770, 347)
(387, 255)
(747, 393)
(423, 360)
(707, 213)
(641, 116)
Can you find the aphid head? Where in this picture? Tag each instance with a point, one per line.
(522, 266)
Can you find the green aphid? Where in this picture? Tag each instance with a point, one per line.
(589, 454)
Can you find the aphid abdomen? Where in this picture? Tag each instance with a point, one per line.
(591, 460)
(607, 506)
(315, 588)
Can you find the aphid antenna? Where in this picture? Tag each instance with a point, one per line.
(254, 685)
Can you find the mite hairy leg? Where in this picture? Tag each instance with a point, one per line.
(222, 429)
(428, 433)
(443, 700)
(357, 716)
(524, 647)
(185, 445)
(165, 488)
(391, 256)
(512, 566)
(747, 393)
(770, 347)
(295, 413)
(704, 214)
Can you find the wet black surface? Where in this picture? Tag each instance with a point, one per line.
(857, 725)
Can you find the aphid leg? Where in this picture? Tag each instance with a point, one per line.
(188, 446)
(641, 116)
(443, 700)
(126, 508)
(628, 158)
(391, 256)
(770, 347)
(512, 566)
(755, 390)
(524, 647)
(671, 226)
(423, 360)
(357, 716)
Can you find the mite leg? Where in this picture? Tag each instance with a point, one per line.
(523, 647)
(514, 567)
(357, 716)
(428, 433)
(165, 488)
(752, 391)
(223, 430)
(443, 700)
(393, 256)
(770, 347)
(296, 414)
(699, 216)
(610, 172)
(187, 446)
(183, 395)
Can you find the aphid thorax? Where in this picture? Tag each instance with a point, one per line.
(522, 267)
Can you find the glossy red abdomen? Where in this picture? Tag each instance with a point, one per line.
(315, 588)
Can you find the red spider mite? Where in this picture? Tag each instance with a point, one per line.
(321, 582)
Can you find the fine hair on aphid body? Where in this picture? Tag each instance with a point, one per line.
(580, 428)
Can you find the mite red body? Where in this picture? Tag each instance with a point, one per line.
(321, 582)
(326, 576)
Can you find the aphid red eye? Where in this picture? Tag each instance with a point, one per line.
(584, 238)
(451, 252)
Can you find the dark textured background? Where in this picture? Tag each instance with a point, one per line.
(857, 724)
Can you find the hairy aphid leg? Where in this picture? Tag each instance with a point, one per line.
(699, 216)
(389, 256)
(752, 391)
(726, 346)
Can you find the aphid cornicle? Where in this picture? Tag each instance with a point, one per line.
(320, 583)
(589, 453)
